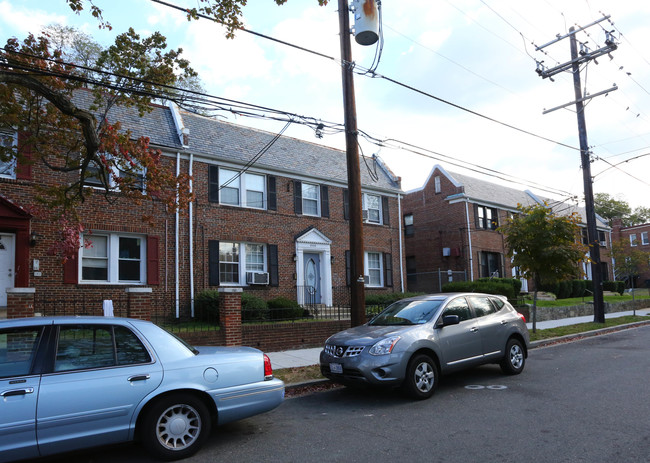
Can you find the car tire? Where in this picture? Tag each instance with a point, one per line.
(175, 427)
(421, 378)
(514, 359)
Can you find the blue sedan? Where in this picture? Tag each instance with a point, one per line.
(68, 383)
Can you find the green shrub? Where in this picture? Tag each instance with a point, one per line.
(620, 287)
(206, 306)
(283, 308)
(564, 289)
(578, 288)
(488, 287)
(253, 308)
(515, 282)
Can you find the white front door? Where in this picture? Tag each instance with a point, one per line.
(7, 270)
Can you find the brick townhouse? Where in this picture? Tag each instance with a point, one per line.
(450, 228)
(636, 237)
(276, 225)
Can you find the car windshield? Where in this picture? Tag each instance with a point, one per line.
(406, 313)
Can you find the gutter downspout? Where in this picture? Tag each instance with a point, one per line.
(176, 240)
(469, 243)
(191, 238)
(399, 218)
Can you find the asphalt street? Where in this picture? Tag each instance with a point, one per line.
(583, 401)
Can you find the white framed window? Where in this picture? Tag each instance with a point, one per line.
(310, 199)
(8, 140)
(487, 218)
(633, 241)
(372, 204)
(94, 179)
(242, 189)
(113, 258)
(644, 238)
(436, 183)
(375, 269)
(235, 259)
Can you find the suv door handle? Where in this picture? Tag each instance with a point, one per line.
(138, 378)
(27, 390)
(473, 329)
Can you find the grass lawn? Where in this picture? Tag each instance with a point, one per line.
(582, 300)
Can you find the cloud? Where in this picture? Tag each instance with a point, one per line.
(19, 21)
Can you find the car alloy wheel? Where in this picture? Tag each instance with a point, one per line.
(421, 377)
(176, 426)
(515, 358)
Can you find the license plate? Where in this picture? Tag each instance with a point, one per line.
(336, 368)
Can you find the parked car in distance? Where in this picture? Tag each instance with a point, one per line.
(415, 340)
(68, 383)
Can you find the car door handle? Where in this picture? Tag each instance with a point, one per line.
(25, 391)
(504, 322)
(138, 378)
(474, 329)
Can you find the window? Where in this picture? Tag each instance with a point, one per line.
(633, 241)
(113, 258)
(97, 346)
(235, 259)
(585, 237)
(372, 204)
(374, 268)
(245, 189)
(482, 306)
(408, 225)
(18, 349)
(8, 141)
(310, 199)
(487, 218)
(458, 307)
(98, 179)
(644, 238)
(436, 183)
(490, 264)
(602, 238)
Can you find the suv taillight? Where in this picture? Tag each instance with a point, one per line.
(520, 315)
(268, 369)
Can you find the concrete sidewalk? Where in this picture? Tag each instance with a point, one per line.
(306, 357)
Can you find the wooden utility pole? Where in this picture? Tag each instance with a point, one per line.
(357, 288)
(577, 59)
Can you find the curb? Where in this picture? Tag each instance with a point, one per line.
(586, 334)
(533, 345)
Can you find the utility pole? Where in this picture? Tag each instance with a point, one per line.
(357, 288)
(577, 59)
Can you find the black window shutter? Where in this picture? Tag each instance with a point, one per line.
(384, 206)
(348, 269)
(274, 278)
(213, 184)
(388, 269)
(324, 201)
(213, 263)
(297, 197)
(476, 218)
(271, 194)
(346, 205)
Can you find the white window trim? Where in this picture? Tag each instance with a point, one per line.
(644, 238)
(14, 135)
(113, 248)
(436, 184)
(242, 262)
(112, 185)
(318, 199)
(380, 208)
(633, 241)
(381, 269)
(240, 184)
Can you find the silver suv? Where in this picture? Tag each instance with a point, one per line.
(415, 340)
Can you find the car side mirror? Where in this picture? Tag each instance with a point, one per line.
(449, 320)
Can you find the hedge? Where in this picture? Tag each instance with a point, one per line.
(206, 306)
(486, 286)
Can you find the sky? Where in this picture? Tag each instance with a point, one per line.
(475, 103)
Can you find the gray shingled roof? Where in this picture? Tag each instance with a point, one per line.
(225, 142)
(491, 193)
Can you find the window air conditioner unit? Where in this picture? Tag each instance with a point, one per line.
(364, 214)
(366, 279)
(257, 278)
(603, 244)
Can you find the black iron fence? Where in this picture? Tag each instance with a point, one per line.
(81, 304)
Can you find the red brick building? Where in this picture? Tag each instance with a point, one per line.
(635, 237)
(450, 228)
(273, 222)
